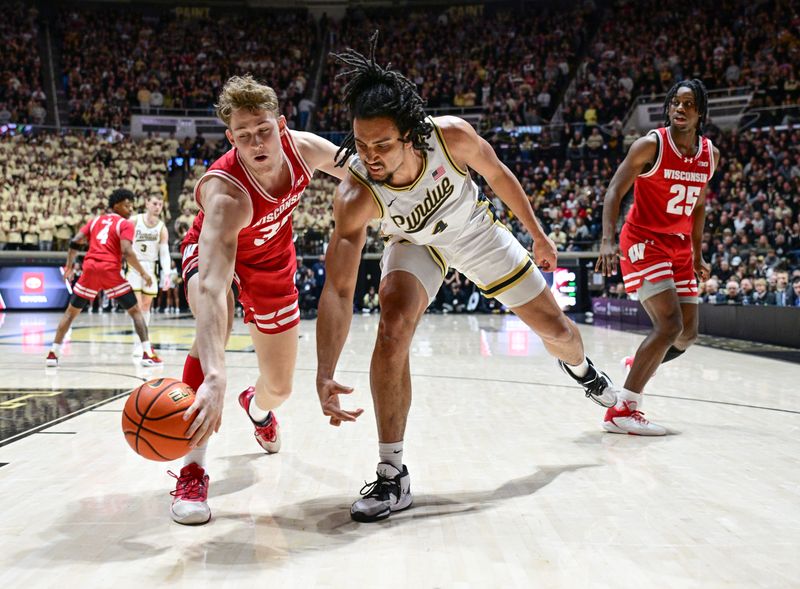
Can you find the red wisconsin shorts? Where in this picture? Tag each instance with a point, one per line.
(267, 292)
(98, 276)
(654, 257)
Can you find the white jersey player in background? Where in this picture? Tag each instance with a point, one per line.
(151, 244)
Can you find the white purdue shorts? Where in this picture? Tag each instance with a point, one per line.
(486, 252)
(137, 284)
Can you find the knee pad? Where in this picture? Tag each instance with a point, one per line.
(78, 302)
(127, 301)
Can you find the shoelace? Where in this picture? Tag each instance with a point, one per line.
(595, 387)
(267, 431)
(189, 487)
(639, 417)
(380, 488)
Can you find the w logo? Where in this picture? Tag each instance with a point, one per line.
(636, 252)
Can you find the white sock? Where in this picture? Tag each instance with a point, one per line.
(146, 315)
(634, 400)
(197, 455)
(56, 348)
(147, 348)
(392, 454)
(256, 413)
(581, 369)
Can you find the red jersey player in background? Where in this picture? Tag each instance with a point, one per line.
(243, 238)
(659, 245)
(110, 237)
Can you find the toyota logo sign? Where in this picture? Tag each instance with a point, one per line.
(32, 282)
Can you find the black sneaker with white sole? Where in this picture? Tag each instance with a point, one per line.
(596, 384)
(391, 492)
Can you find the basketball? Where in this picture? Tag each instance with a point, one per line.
(152, 420)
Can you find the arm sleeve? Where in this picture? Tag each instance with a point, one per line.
(163, 257)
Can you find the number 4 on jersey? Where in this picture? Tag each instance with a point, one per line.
(102, 236)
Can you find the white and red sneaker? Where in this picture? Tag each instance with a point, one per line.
(151, 359)
(629, 420)
(268, 434)
(52, 360)
(190, 504)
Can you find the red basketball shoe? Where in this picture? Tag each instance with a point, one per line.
(627, 363)
(629, 420)
(52, 360)
(268, 433)
(151, 359)
(189, 506)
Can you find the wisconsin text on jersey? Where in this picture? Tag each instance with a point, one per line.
(286, 204)
(686, 176)
(433, 201)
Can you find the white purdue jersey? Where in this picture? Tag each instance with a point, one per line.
(146, 241)
(434, 209)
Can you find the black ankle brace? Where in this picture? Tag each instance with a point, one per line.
(671, 354)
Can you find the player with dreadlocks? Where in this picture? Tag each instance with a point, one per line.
(659, 245)
(412, 171)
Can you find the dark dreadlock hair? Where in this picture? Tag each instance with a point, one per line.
(375, 91)
(700, 96)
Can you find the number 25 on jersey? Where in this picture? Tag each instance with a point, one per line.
(684, 200)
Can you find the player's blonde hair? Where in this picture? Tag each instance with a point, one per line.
(245, 92)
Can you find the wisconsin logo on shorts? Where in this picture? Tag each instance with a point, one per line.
(636, 252)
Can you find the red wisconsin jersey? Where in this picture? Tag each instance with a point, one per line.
(664, 197)
(268, 237)
(105, 234)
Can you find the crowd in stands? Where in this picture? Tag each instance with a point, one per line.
(22, 99)
(53, 183)
(510, 64)
(117, 61)
(644, 47)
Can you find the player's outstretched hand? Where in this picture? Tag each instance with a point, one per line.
(207, 413)
(702, 268)
(329, 391)
(545, 253)
(608, 260)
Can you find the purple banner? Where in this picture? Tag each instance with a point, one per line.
(620, 311)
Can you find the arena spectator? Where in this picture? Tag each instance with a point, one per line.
(762, 296)
(731, 296)
(370, 303)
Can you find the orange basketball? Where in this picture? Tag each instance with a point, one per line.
(153, 419)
